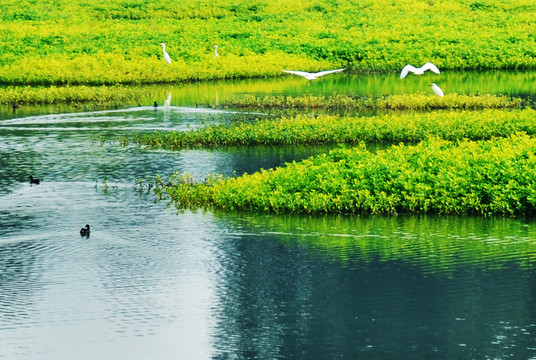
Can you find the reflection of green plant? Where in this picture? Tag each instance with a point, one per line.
(430, 242)
(105, 183)
(435, 176)
(324, 129)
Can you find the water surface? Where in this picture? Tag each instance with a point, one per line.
(154, 283)
(214, 93)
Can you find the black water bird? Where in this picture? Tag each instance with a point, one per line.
(85, 231)
(155, 106)
(34, 181)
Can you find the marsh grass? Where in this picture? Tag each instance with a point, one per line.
(436, 176)
(387, 102)
(331, 129)
(116, 42)
(75, 95)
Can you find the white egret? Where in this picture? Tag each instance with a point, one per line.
(437, 90)
(312, 76)
(418, 71)
(166, 55)
(215, 51)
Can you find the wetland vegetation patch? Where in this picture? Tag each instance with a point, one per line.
(332, 129)
(435, 176)
(109, 42)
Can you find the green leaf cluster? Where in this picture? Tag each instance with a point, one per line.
(386, 102)
(96, 95)
(117, 42)
(434, 176)
(331, 129)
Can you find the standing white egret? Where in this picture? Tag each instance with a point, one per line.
(312, 76)
(437, 90)
(215, 51)
(166, 55)
(418, 71)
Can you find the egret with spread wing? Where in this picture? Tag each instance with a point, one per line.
(418, 71)
(312, 76)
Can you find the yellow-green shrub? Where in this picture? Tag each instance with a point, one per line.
(436, 176)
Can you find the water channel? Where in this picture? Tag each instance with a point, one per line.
(152, 282)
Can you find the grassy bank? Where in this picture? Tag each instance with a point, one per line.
(95, 95)
(327, 129)
(435, 176)
(111, 42)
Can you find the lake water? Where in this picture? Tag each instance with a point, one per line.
(152, 282)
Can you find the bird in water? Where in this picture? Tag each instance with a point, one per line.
(437, 90)
(312, 76)
(34, 181)
(166, 55)
(85, 231)
(418, 71)
(155, 105)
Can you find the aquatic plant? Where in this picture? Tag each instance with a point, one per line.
(331, 129)
(435, 176)
(386, 102)
(95, 95)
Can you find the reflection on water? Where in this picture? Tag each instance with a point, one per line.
(154, 283)
(518, 84)
(513, 83)
(325, 287)
(484, 243)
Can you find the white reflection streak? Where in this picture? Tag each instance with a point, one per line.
(83, 116)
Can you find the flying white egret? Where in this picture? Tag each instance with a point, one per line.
(437, 90)
(312, 76)
(215, 51)
(166, 55)
(418, 71)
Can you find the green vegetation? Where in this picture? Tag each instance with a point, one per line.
(391, 102)
(329, 129)
(117, 42)
(101, 95)
(107, 44)
(435, 176)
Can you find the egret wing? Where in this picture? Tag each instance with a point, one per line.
(167, 58)
(322, 73)
(430, 66)
(300, 73)
(406, 70)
